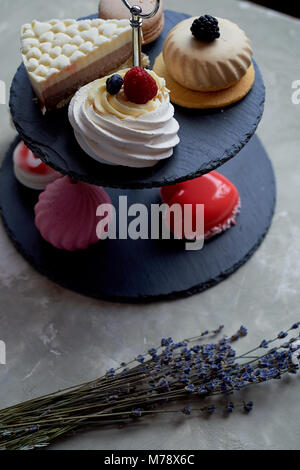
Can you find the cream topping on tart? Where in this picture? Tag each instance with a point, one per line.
(111, 129)
(207, 66)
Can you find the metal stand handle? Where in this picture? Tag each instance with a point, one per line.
(136, 22)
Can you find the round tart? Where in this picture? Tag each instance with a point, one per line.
(207, 66)
(125, 128)
(204, 100)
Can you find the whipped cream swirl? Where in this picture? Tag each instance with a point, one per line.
(113, 130)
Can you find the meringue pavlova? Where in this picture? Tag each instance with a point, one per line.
(125, 119)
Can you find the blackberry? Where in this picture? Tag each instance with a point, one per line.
(114, 84)
(206, 28)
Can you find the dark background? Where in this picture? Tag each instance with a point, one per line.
(290, 7)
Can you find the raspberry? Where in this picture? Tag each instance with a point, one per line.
(139, 86)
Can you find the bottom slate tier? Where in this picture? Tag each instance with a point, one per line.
(147, 270)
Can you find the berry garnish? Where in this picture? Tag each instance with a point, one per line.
(139, 86)
(206, 28)
(114, 84)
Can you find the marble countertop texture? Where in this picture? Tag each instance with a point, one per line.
(56, 338)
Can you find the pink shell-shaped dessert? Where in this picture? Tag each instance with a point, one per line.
(66, 216)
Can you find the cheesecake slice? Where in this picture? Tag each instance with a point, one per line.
(60, 56)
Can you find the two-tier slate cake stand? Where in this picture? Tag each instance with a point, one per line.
(144, 270)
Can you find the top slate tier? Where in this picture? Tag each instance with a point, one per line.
(208, 138)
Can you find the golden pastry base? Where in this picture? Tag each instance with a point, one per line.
(201, 100)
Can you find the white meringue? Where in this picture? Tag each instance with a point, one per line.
(115, 131)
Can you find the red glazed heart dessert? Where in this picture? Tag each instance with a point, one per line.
(219, 196)
(30, 170)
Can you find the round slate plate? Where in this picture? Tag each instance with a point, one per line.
(147, 270)
(208, 138)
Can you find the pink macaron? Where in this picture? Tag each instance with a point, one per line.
(152, 27)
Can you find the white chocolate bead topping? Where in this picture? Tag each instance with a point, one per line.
(49, 47)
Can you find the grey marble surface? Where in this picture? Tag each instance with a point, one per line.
(56, 338)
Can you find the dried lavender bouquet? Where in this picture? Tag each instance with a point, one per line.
(185, 372)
